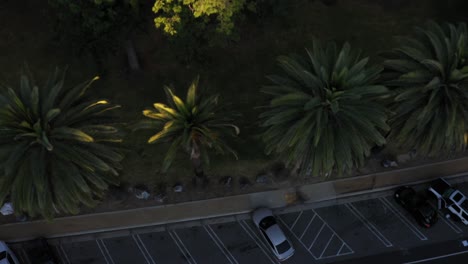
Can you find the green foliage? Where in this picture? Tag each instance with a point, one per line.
(429, 76)
(172, 15)
(195, 125)
(325, 112)
(56, 147)
(94, 25)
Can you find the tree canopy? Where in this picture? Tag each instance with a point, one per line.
(324, 113)
(57, 146)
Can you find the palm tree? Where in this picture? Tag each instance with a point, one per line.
(324, 112)
(428, 74)
(195, 126)
(56, 149)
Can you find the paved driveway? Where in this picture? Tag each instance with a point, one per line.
(321, 233)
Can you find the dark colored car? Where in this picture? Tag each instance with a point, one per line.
(417, 205)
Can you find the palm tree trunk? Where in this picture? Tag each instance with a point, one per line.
(195, 157)
(199, 172)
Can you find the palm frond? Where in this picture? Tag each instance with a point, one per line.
(323, 114)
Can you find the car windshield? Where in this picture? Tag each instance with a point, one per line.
(283, 247)
(2, 255)
(457, 197)
(267, 222)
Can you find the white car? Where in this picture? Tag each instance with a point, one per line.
(6, 255)
(272, 233)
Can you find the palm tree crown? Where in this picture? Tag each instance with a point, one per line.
(429, 76)
(195, 125)
(324, 113)
(54, 147)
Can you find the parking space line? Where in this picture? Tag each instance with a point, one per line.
(143, 244)
(410, 225)
(369, 225)
(181, 245)
(64, 254)
(103, 248)
(25, 257)
(451, 225)
(341, 248)
(260, 244)
(295, 221)
(342, 240)
(307, 227)
(326, 246)
(140, 248)
(318, 234)
(302, 243)
(220, 244)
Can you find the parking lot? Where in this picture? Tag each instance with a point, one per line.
(321, 233)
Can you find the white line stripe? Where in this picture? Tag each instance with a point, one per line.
(59, 253)
(307, 227)
(25, 257)
(451, 225)
(334, 256)
(257, 241)
(352, 251)
(295, 221)
(141, 250)
(438, 257)
(102, 251)
(217, 244)
(107, 251)
(143, 244)
(328, 244)
(183, 245)
(65, 254)
(222, 243)
(320, 231)
(339, 251)
(187, 256)
(410, 225)
(369, 225)
(302, 243)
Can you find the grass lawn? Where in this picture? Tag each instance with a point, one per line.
(236, 71)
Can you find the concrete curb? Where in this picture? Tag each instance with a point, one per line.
(227, 206)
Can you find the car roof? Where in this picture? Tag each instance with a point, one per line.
(275, 234)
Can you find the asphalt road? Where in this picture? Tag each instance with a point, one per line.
(362, 229)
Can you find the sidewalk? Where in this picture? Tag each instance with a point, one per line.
(171, 213)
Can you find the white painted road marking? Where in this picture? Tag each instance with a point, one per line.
(141, 249)
(307, 227)
(451, 225)
(328, 243)
(295, 221)
(64, 254)
(258, 241)
(465, 243)
(104, 251)
(143, 245)
(342, 240)
(181, 245)
(220, 244)
(438, 257)
(369, 225)
(407, 222)
(302, 243)
(320, 231)
(324, 225)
